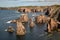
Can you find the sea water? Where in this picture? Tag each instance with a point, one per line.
(37, 33)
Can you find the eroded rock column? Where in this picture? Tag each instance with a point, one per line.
(20, 29)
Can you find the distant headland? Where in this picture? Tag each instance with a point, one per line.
(16, 8)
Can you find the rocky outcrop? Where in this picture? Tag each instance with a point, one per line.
(54, 20)
(25, 10)
(38, 19)
(31, 9)
(32, 24)
(41, 19)
(10, 29)
(52, 25)
(20, 29)
(24, 18)
(13, 21)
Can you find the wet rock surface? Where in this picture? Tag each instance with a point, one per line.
(24, 18)
(20, 29)
(32, 24)
(10, 29)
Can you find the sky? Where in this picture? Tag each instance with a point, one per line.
(14, 3)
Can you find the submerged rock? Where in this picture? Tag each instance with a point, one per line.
(20, 29)
(10, 29)
(13, 21)
(32, 24)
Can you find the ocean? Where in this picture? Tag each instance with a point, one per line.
(37, 33)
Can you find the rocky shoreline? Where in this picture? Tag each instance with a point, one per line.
(52, 19)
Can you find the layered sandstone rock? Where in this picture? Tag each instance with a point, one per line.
(25, 10)
(20, 29)
(13, 21)
(38, 19)
(24, 18)
(52, 25)
(44, 18)
(54, 18)
(32, 24)
(41, 19)
(10, 29)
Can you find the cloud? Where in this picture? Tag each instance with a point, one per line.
(33, 0)
(53, 0)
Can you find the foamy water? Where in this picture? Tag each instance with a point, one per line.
(9, 21)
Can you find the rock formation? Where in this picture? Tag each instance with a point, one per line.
(52, 25)
(10, 29)
(32, 24)
(20, 29)
(41, 19)
(25, 10)
(38, 19)
(44, 18)
(13, 21)
(24, 18)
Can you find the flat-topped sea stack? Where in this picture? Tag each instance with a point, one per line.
(20, 29)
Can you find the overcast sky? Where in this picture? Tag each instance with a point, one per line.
(29, 0)
(13, 3)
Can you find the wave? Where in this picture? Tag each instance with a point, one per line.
(9, 21)
(17, 12)
(5, 30)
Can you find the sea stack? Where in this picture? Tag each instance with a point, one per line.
(38, 19)
(20, 29)
(24, 18)
(31, 23)
(10, 29)
(41, 19)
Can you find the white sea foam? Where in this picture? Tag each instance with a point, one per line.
(17, 12)
(8, 21)
(5, 30)
(34, 14)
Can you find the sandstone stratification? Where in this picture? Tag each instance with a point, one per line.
(32, 24)
(24, 18)
(41, 19)
(10, 29)
(20, 29)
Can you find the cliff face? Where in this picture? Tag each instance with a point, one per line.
(54, 12)
(30, 8)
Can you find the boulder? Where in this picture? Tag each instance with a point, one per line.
(13, 21)
(52, 25)
(41, 19)
(24, 18)
(38, 19)
(10, 29)
(31, 23)
(20, 29)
